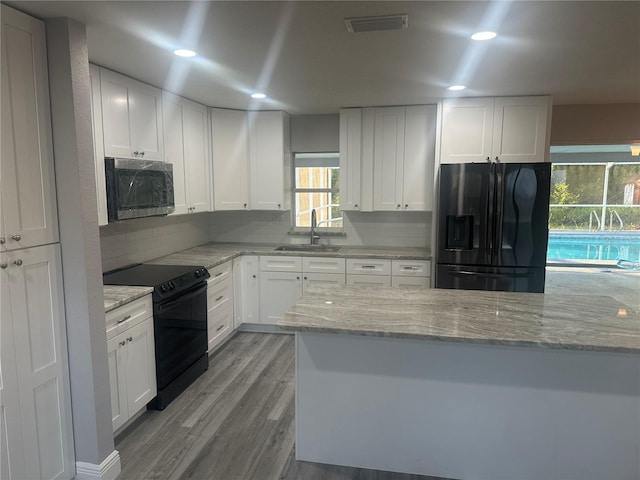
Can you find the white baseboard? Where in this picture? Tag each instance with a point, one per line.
(107, 470)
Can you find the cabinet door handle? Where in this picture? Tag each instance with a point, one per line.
(306, 278)
(142, 154)
(136, 153)
(124, 319)
(355, 206)
(399, 206)
(18, 262)
(3, 265)
(220, 328)
(488, 160)
(297, 278)
(219, 298)
(17, 237)
(253, 276)
(406, 205)
(3, 240)
(279, 206)
(130, 339)
(497, 160)
(122, 344)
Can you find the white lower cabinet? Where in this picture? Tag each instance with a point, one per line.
(246, 278)
(131, 354)
(278, 291)
(369, 280)
(35, 404)
(220, 322)
(411, 273)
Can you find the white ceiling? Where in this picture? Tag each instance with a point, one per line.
(301, 55)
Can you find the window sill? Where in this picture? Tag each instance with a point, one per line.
(321, 233)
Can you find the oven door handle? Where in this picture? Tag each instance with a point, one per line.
(188, 295)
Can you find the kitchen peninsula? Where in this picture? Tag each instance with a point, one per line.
(467, 384)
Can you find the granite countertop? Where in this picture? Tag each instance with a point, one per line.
(573, 322)
(116, 295)
(213, 254)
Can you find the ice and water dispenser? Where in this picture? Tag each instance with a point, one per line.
(459, 232)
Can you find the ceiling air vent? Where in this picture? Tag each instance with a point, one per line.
(374, 24)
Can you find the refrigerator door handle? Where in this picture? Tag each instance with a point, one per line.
(498, 212)
(492, 275)
(489, 212)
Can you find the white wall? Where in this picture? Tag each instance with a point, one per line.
(404, 229)
(144, 239)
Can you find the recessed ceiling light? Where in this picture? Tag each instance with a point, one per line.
(455, 88)
(183, 52)
(258, 95)
(483, 35)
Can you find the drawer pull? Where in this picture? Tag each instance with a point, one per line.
(124, 319)
(219, 298)
(218, 274)
(411, 267)
(368, 266)
(220, 328)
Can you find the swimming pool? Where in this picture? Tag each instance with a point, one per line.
(582, 247)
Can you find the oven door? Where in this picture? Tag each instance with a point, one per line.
(180, 334)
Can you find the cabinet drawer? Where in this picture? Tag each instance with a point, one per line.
(274, 263)
(220, 272)
(128, 315)
(410, 282)
(368, 266)
(369, 280)
(219, 324)
(323, 265)
(219, 292)
(411, 268)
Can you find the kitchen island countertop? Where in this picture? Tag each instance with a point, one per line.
(573, 322)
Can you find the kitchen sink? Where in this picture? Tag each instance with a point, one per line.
(307, 248)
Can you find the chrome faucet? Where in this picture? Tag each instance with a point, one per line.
(314, 237)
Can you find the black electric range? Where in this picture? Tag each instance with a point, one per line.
(179, 320)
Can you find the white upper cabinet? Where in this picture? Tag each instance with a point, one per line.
(388, 158)
(230, 148)
(98, 143)
(404, 156)
(27, 189)
(132, 117)
(356, 158)
(521, 129)
(186, 138)
(270, 160)
(509, 129)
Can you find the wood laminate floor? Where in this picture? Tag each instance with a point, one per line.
(235, 422)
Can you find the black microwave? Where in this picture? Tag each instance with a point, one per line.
(138, 188)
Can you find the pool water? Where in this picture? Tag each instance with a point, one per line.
(574, 246)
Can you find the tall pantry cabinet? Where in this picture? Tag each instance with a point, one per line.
(35, 407)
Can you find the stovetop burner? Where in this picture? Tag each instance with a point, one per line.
(166, 280)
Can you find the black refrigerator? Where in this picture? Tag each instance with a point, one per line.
(493, 226)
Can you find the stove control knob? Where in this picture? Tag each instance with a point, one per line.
(163, 288)
(172, 285)
(197, 273)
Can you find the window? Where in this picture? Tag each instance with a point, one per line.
(317, 186)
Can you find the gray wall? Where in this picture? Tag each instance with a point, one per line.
(79, 240)
(315, 133)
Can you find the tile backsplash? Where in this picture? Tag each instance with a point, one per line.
(144, 239)
(392, 229)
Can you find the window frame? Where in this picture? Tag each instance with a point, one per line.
(294, 204)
